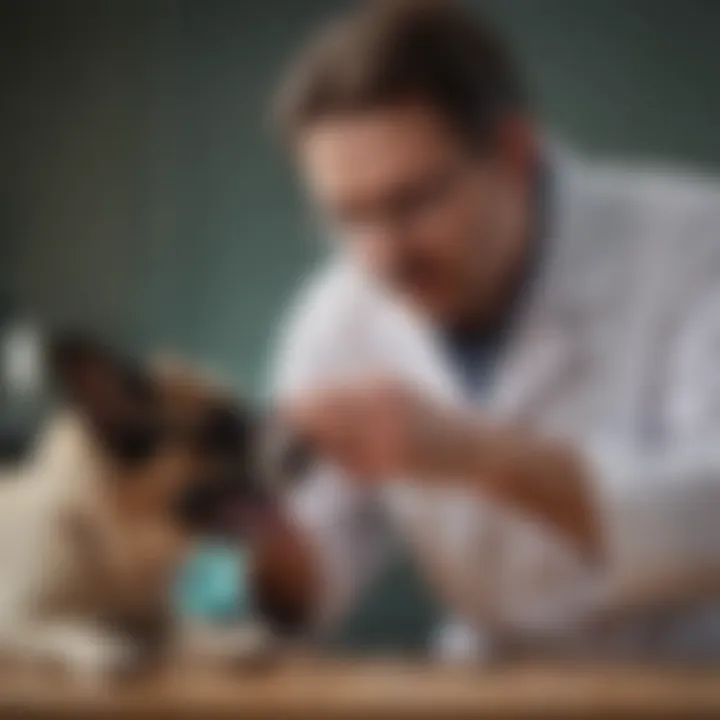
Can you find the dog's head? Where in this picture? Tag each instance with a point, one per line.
(172, 444)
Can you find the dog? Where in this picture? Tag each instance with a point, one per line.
(94, 525)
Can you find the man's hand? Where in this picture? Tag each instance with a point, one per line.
(384, 429)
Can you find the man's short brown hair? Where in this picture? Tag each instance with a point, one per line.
(432, 51)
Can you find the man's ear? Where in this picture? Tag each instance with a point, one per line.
(113, 393)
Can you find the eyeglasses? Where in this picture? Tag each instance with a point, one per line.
(406, 206)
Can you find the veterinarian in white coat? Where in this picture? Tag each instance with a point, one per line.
(610, 346)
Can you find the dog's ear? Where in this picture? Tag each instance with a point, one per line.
(115, 395)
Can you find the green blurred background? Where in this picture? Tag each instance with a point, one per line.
(141, 193)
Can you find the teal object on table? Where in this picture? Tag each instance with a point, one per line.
(212, 584)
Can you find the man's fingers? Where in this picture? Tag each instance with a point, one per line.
(324, 420)
(340, 425)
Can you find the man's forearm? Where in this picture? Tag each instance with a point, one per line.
(386, 429)
(545, 478)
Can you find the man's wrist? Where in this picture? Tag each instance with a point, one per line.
(474, 452)
(546, 477)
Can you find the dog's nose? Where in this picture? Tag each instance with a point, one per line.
(225, 431)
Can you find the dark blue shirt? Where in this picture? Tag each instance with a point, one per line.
(474, 353)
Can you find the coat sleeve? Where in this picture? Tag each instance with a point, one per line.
(344, 522)
(660, 510)
(660, 520)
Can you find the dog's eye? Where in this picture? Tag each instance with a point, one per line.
(223, 432)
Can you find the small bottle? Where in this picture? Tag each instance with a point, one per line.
(211, 585)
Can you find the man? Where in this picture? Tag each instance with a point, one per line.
(508, 362)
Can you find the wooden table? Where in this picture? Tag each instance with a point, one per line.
(335, 689)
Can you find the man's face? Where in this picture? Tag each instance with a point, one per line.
(414, 206)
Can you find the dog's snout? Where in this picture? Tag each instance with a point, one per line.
(197, 506)
(225, 431)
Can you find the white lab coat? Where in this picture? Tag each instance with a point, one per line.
(617, 347)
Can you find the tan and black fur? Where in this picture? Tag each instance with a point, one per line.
(94, 525)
